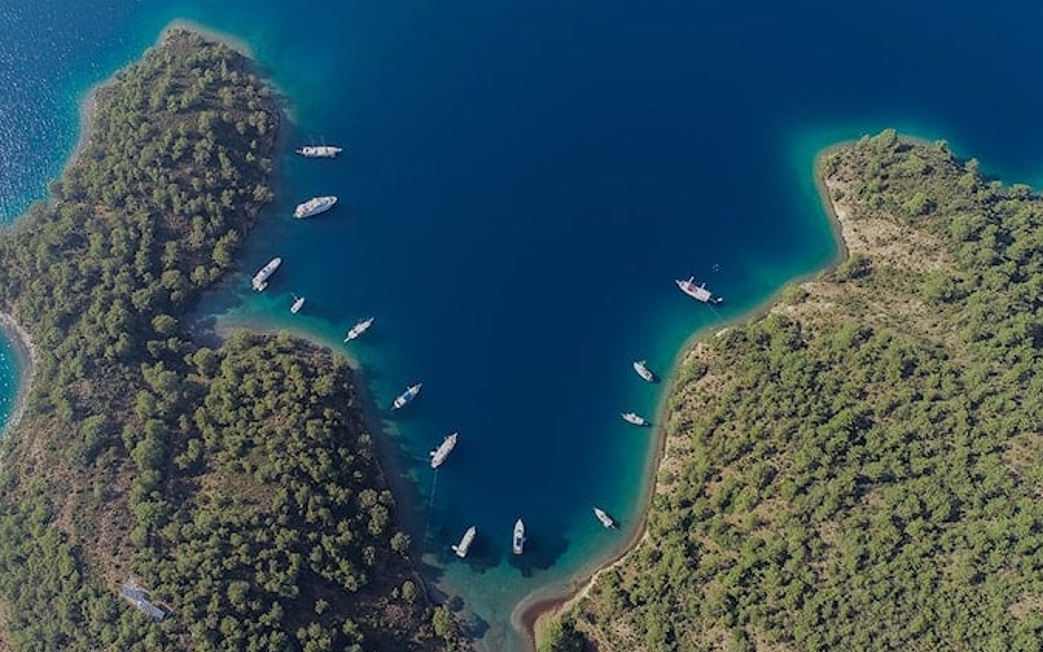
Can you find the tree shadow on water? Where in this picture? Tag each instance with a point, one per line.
(474, 626)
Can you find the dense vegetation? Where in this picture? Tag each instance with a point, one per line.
(237, 484)
(862, 468)
(273, 527)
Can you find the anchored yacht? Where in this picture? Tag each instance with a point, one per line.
(358, 329)
(465, 542)
(439, 454)
(319, 151)
(641, 367)
(605, 519)
(518, 542)
(406, 396)
(314, 206)
(634, 418)
(260, 279)
(697, 292)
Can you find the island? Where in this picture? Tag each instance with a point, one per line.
(156, 493)
(858, 467)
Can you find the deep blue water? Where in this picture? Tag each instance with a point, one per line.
(523, 182)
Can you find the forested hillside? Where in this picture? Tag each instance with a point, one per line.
(862, 468)
(238, 485)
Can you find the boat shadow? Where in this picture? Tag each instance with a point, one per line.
(481, 556)
(542, 550)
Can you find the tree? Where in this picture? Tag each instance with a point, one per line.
(561, 636)
(442, 621)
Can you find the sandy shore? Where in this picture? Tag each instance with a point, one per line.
(27, 357)
(537, 610)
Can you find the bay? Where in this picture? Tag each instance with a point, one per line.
(523, 181)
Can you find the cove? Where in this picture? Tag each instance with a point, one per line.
(522, 184)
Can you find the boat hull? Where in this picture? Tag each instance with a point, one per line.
(319, 151)
(634, 419)
(439, 454)
(260, 280)
(314, 206)
(697, 292)
(358, 329)
(642, 370)
(406, 397)
(464, 546)
(518, 540)
(605, 519)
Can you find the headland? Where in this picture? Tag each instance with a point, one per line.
(140, 432)
(801, 434)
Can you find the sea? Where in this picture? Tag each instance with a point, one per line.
(522, 183)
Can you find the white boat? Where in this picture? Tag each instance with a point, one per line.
(697, 292)
(260, 279)
(634, 418)
(314, 206)
(406, 396)
(641, 367)
(518, 542)
(298, 303)
(319, 151)
(605, 519)
(465, 542)
(439, 454)
(358, 329)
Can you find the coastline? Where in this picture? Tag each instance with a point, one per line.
(405, 499)
(532, 615)
(210, 34)
(89, 103)
(25, 350)
(88, 106)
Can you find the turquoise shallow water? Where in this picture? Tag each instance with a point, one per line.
(523, 182)
(10, 370)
